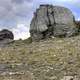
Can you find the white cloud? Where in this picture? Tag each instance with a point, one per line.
(13, 11)
(21, 32)
(67, 0)
(78, 19)
(63, 1)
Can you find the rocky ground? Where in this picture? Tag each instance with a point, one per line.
(51, 59)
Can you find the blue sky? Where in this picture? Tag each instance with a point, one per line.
(16, 15)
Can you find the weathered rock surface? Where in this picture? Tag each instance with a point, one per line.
(6, 36)
(78, 25)
(50, 21)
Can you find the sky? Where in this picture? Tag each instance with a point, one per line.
(16, 15)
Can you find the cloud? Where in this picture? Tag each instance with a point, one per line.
(17, 1)
(78, 19)
(21, 1)
(67, 1)
(21, 31)
(11, 13)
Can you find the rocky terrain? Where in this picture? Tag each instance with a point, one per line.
(51, 59)
(43, 56)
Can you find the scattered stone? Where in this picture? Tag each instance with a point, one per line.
(70, 78)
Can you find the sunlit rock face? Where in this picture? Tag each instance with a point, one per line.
(50, 21)
(6, 36)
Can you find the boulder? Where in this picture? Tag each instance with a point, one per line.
(50, 21)
(6, 37)
(6, 34)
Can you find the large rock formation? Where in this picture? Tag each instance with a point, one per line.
(6, 36)
(50, 21)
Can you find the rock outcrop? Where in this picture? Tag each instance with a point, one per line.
(50, 21)
(6, 36)
(78, 25)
